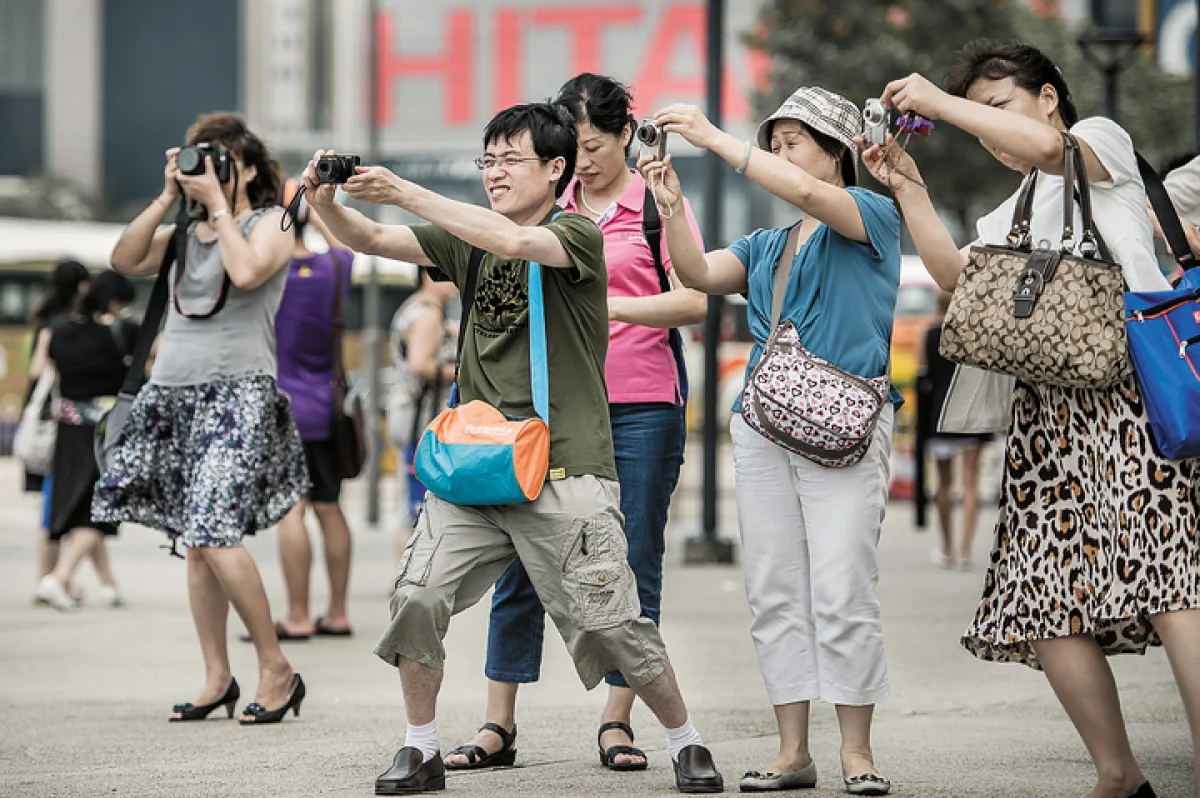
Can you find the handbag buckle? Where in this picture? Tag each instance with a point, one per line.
(1039, 268)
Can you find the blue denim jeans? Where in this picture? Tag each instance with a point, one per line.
(648, 442)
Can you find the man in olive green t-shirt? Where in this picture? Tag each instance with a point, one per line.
(570, 539)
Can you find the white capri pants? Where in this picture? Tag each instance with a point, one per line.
(808, 548)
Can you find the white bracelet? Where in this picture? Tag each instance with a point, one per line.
(741, 170)
(213, 219)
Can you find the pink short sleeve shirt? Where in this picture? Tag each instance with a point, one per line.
(640, 366)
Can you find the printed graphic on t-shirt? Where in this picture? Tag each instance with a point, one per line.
(502, 301)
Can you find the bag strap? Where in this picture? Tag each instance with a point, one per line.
(42, 388)
(1019, 234)
(1168, 217)
(783, 271)
(156, 306)
(339, 323)
(652, 229)
(539, 370)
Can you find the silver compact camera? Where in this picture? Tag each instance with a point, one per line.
(651, 135)
(875, 123)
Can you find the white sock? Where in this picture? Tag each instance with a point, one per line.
(423, 738)
(681, 738)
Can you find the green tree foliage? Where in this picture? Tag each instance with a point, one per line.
(856, 48)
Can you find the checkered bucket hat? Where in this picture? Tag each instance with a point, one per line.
(821, 110)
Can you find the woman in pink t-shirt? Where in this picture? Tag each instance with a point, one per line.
(647, 390)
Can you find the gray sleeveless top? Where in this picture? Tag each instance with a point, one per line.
(239, 341)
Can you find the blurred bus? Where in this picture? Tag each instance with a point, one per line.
(30, 249)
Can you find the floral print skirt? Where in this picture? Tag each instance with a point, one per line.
(207, 464)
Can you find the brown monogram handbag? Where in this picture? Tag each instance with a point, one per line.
(1043, 315)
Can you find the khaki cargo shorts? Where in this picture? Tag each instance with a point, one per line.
(572, 544)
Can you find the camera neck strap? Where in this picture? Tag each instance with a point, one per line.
(181, 264)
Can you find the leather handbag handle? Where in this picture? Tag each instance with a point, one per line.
(1019, 235)
(1079, 188)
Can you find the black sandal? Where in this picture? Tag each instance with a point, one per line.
(608, 757)
(479, 758)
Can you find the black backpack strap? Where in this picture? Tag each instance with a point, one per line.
(1168, 217)
(652, 229)
(156, 307)
(468, 303)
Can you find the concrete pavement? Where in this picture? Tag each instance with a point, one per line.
(84, 697)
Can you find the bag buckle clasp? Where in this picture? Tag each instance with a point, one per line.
(1039, 269)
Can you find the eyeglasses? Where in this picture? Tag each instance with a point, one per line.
(504, 161)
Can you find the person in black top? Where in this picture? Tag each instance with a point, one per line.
(944, 446)
(67, 282)
(90, 349)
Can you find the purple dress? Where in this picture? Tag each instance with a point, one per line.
(304, 339)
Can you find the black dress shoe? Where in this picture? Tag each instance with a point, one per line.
(409, 775)
(695, 771)
(1145, 791)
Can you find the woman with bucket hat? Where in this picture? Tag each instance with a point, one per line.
(821, 296)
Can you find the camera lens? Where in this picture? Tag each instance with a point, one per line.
(648, 135)
(190, 161)
(328, 170)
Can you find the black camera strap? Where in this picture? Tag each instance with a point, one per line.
(652, 230)
(181, 261)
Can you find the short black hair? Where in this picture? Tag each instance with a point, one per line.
(104, 289)
(551, 127)
(601, 100)
(1030, 69)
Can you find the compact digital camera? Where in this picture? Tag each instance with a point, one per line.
(191, 160)
(652, 136)
(875, 122)
(337, 169)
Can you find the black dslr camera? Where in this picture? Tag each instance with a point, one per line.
(652, 136)
(191, 160)
(337, 168)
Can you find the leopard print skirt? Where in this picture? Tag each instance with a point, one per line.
(1096, 530)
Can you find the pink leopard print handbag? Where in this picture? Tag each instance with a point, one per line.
(805, 404)
(809, 406)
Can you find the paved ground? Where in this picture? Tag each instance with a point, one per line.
(84, 697)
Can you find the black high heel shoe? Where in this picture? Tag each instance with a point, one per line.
(263, 715)
(190, 711)
(1145, 791)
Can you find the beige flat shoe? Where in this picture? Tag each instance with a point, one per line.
(803, 779)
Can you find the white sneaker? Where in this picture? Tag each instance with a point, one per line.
(940, 560)
(51, 592)
(110, 596)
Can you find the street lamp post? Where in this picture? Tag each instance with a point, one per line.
(707, 547)
(1109, 47)
(371, 333)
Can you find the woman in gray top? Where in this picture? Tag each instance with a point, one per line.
(209, 451)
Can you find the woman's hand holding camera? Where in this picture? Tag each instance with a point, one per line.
(204, 188)
(890, 164)
(661, 176)
(689, 122)
(170, 191)
(916, 93)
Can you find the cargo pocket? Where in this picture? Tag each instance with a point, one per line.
(597, 579)
(417, 560)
